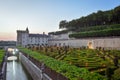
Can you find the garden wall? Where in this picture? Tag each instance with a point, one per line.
(34, 71)
(104, 42)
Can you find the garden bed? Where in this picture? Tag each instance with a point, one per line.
(70, 71)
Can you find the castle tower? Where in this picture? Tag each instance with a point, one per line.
(22, 37)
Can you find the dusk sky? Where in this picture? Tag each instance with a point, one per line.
(44, 15)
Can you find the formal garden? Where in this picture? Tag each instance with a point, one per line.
(78, 63)
(83, 63)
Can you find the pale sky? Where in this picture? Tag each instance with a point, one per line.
(44, 15)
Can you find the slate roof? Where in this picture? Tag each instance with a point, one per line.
(21, 31)
(38, 35)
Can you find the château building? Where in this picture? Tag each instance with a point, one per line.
(24, 38)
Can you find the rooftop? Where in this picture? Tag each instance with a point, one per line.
(38, 35)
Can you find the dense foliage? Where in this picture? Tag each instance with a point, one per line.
(97, 28)
(100, 18)
(70, 71)
(116, 75)
(100, 33)
(58, 32)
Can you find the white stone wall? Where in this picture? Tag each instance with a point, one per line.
(108, 43)
(24, 39)
(60, 36)
(32, 69)
(57, 42)
(19, 38)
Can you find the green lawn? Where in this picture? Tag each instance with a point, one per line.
(1, 55)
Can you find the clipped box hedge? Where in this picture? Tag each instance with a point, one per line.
(70, 71)
(100, 33)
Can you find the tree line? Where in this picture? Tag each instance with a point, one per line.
(95, 19)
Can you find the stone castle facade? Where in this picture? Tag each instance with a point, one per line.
(24, 38)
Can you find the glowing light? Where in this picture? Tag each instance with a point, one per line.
(90, 45)
(13, 52)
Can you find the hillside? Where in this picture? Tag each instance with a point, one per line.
(100, 24)
(95, 19)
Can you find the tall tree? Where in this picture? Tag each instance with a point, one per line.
(63, 24)
(94, 19)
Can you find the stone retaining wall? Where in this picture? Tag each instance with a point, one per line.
(103, 42)
(34, 71)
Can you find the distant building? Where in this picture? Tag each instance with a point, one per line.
(4, 44)
(24, 38)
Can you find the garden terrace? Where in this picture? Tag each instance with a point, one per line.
(94, 60)
(97, 28)
(69, 70)
(113, 30)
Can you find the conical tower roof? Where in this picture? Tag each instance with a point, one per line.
(27, 30)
